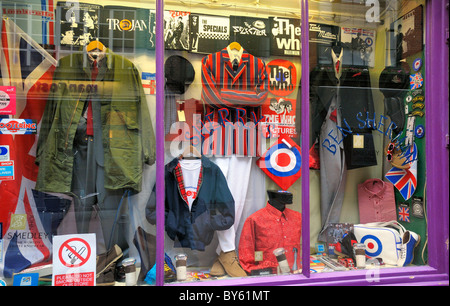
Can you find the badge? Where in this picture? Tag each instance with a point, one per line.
(403, 212)
(420, 131)
(408, 98)
(416, 81)
(417, 64)
(417, 207)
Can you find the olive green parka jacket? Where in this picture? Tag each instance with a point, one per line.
(127, 133)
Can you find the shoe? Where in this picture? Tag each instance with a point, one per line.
(217, 269)
(107, 277)
(230, 263)
(105, 260)
(409, 242)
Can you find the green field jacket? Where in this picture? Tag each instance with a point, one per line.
(127, 133)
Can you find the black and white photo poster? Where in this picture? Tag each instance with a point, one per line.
(176, 30)
(77, 23)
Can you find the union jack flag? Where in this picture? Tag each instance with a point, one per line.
(27, 66)
(405, 180)
(416, 81)
(403, 213)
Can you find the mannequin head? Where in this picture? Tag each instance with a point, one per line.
(279, 198)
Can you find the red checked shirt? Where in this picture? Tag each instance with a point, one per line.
(266, 230)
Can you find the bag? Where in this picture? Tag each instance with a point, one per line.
(382, 240)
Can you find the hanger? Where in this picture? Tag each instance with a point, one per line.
(235, 45)
(95, 44)
(190, 153)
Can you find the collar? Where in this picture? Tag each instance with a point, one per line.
(206, 163)
(276, 213)
(108, 54)
(335, 60)
(369, 184)
(235, 54)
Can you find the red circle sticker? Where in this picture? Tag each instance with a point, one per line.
(74, 252)
(282, 77)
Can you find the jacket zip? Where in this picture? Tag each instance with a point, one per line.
(71, 119)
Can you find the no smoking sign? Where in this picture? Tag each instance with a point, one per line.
(74, 260)
(74, 253)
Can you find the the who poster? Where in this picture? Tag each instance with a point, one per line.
(279, 116)
(253, 34)
(213, 33)
(359, 46)
(285, 36)
(124, 29)
(77, 23)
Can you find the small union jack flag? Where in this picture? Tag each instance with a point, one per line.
(416, 81)
(403, 213)
(405, 180)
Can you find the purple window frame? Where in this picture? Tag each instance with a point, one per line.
(437, 152)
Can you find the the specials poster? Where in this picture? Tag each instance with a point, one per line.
(213, 33)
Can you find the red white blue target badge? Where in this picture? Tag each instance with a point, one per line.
(282, 162)
(374, 247)
(417, 64)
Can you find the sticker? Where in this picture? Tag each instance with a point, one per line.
(403, 212)
(26, 279)
(420, 131)
(7, 170)
(4, 153)
(417, 64)
(18, 126)
(7, 100)
(416, 81)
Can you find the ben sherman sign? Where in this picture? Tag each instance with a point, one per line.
(126, 25)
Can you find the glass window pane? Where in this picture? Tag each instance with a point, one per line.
(367, 132)
(77, 141)
(232, 119)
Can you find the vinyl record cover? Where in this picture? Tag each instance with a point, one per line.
(285, 36)
(252, 34)
(176, 30)
(77, 23)
(213, 33)
(124, 29)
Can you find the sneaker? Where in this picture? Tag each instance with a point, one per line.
(230, 263)
(409, 242)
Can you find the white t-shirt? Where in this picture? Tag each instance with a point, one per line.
(191, 172)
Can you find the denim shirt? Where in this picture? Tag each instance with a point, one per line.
(212, 209)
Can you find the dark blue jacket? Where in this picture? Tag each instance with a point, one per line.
(212, 210)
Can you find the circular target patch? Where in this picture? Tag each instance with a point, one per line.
(374, 247)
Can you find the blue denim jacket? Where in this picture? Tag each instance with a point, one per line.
(212, 210)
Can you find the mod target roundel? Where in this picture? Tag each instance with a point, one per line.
(283, 161)
(374, 247)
